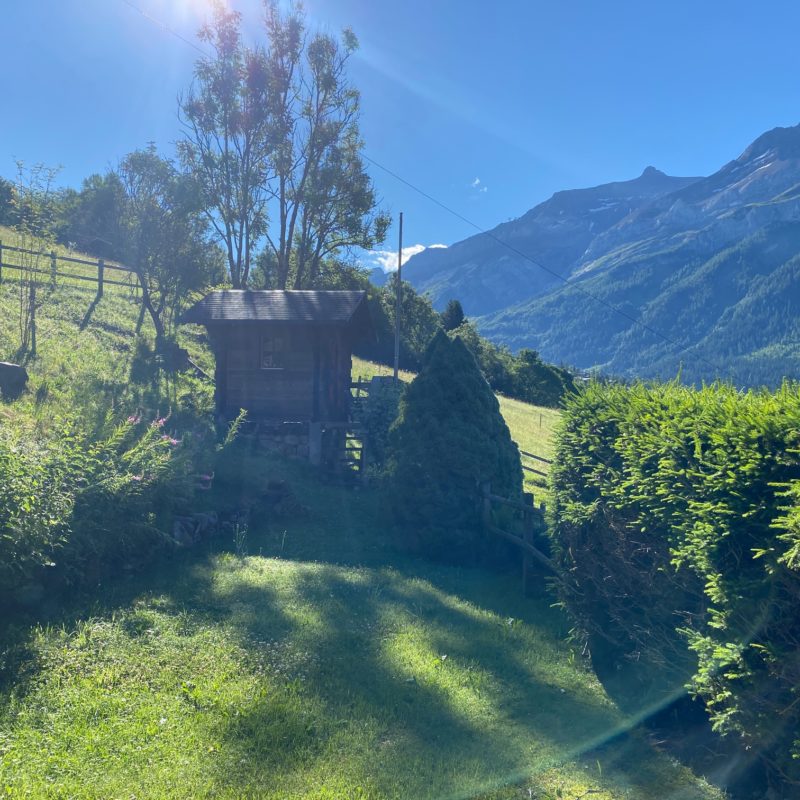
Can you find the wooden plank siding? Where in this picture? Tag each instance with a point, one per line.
(312, 381)
(283, 355)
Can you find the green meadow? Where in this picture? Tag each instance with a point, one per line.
(300, 656)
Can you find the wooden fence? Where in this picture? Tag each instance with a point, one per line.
(532, 522)
(538, 459)
(99, 267)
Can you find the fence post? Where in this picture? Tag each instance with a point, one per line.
(100, 270)
(53, 269)
(1, 260)
(33, 318)
(527, 535)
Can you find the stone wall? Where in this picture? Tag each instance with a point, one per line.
(287, 438)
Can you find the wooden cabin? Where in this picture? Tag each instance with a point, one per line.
(283, 356)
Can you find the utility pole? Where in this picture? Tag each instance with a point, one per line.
(398, 301)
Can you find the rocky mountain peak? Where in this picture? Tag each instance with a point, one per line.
(778, 143)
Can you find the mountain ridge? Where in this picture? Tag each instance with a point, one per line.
(646, 246)
(563, 231)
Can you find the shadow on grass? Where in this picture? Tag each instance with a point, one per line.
(413, 679)
(466, 705)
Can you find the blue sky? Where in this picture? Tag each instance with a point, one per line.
(489, 107)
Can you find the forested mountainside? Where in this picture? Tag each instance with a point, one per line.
(710, 268)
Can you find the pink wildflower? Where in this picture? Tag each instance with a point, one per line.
(134, 419)
(159, 423)
(136, 477)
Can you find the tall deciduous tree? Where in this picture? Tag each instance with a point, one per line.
(162, 233)
(272, 135)
(89, 218)
(228, 118)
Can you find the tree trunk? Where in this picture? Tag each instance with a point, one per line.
(147, 302)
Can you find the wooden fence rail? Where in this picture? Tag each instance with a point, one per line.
(534, 470)
(99, 265)
(532, 520)
(533, 455)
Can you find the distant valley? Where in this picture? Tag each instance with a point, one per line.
(705, 272)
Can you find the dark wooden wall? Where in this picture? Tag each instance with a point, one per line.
(312, 382)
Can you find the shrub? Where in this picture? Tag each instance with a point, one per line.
(75, 508)
(675, 522)
(449, 438)
(523, 376)
(377, 417)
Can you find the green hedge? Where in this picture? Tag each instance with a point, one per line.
(676, 523)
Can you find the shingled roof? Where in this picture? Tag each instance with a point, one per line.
(298, 306)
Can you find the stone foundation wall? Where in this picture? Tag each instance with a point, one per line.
(287, 438)
(314, 442)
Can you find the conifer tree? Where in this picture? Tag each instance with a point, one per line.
(448, 439)
(452, 316)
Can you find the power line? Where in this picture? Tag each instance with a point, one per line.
(515, 250)
(545, 268)
(166, 28)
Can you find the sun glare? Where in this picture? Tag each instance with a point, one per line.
(188, 9)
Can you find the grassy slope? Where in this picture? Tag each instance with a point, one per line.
(85, 351)
(324, 665)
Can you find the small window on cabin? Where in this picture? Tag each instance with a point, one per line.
(272, 351)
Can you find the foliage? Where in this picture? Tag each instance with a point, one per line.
(226, 116)
(278, 127)
(74, 507)
(419, 324)
(532, 427)
(524, 376)
(377, 417)
(162, 235)
(324, 665)
(89, 219)
(448, 439)
(675, 520)
(34, 208)
(68, 497)
(453, 315)
(7, 210)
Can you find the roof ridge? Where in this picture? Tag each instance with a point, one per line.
(310, 306)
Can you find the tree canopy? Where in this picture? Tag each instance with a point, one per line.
(162, 234)
(272, 135)
(453, 315)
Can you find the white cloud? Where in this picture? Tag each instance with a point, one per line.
(479, 186)
(387, 259)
